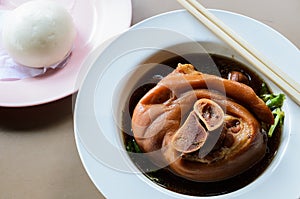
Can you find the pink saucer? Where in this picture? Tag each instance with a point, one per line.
(95, 21)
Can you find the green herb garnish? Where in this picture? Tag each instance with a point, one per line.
(275, 103)
(132, 146)
(278, 121)
(264, 89)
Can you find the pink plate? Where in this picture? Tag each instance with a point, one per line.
(95, 21)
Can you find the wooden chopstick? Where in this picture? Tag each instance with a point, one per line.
(259, 62)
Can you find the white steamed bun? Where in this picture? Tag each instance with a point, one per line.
(38, 33)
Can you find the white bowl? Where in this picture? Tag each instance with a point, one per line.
(102, 98)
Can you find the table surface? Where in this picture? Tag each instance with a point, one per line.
(38, 154)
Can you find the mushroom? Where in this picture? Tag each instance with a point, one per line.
(238, 77)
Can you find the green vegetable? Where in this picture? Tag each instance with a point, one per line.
(278, 121)
(132, 146)
(275, 103)
(264, 89)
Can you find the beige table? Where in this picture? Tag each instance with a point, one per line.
(38, 156)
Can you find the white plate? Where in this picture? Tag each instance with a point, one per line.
(99, 148)
(95, 21)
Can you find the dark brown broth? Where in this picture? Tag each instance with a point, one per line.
(164, 177)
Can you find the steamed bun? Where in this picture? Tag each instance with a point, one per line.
(38, 33)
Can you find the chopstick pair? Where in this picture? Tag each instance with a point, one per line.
(260, 63)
